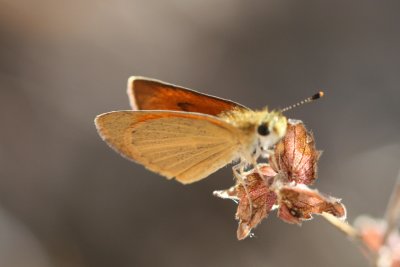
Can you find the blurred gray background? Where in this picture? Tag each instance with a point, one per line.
(66, 199)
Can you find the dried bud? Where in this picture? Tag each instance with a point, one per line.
(372, 233)
(295, 155)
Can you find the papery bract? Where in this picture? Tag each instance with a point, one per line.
(295, 155)
(298, 203)
(261, 197)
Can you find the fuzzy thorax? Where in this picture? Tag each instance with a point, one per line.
(248, 121)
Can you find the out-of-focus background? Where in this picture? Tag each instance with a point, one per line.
(66, 199)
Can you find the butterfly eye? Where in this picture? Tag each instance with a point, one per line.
(263, 129)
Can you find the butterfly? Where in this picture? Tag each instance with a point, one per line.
(183, 134)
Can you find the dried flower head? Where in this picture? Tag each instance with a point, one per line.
(283, 185)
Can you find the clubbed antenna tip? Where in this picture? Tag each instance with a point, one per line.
(305, 101)
(317, 95)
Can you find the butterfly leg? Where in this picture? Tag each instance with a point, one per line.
(263, 153)
(238, 170)
(266, 153)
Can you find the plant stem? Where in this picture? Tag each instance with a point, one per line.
(392, 213)
(353, 234)
(341, 225)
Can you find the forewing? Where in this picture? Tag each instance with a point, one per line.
(183, 145)
(148, 94)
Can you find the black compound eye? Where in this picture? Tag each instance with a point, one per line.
(263, 130)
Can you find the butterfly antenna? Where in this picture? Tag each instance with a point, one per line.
(305, 101)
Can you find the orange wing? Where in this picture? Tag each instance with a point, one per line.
(187, 146)
(149, 94)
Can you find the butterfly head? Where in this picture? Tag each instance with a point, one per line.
(271, 128)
